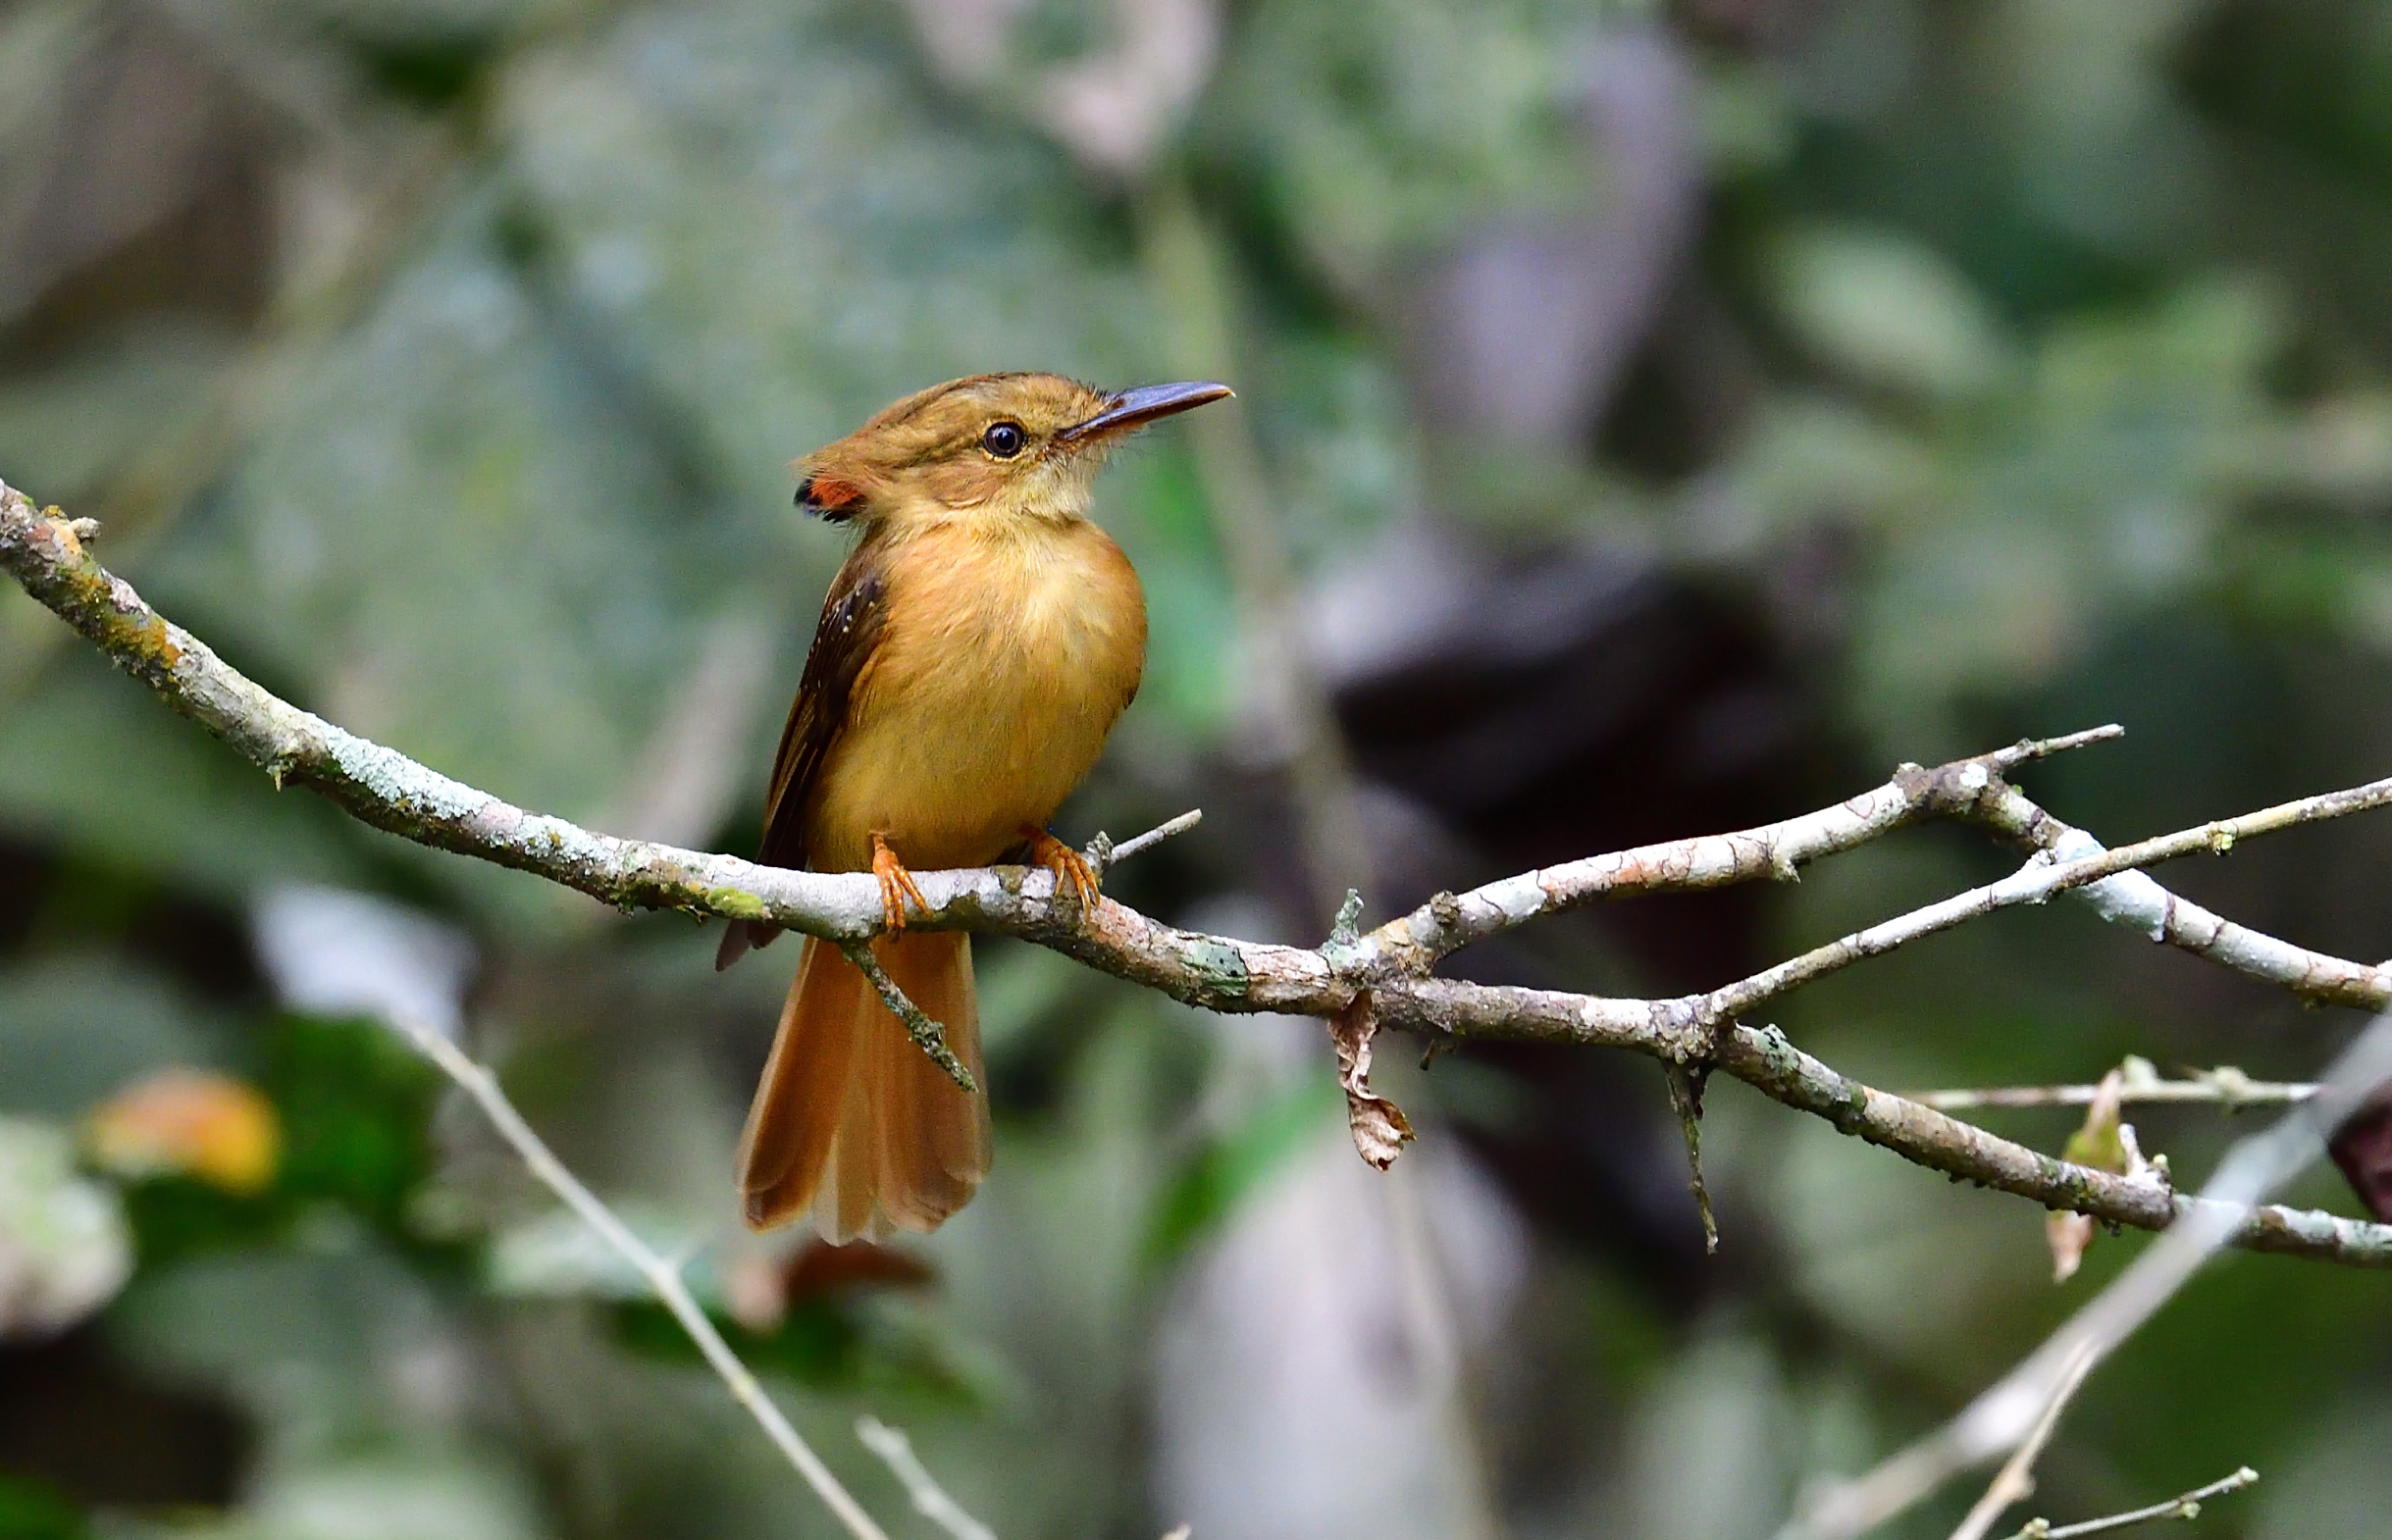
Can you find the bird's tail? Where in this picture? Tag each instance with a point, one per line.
(854, 1119)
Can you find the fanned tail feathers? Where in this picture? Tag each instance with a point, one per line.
(851, 1119)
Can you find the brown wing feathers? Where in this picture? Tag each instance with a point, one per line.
(853, 615)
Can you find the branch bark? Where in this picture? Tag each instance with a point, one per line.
(47, 554)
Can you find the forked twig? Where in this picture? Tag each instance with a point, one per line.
(2186, 1506)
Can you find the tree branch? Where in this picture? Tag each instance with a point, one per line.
(2186, 1506)
(664, 1276)
(2137, 901)
(2225, 1086)
(927, 1035)
(1449, 922)
(2004, 1416)
(46, 553)
(930, 1500)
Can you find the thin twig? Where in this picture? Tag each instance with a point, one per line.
(2187, 1506)
(2000, 1419)
(2135, 901)
(388, 791)
(2001, 761)
(1775, 851)
(2034, 883)
(662, 1275)
(927, 1035)
(2015, 1482)
(2225, 1086)
(1686, 1099)
(930, 1500)
(1104, 855)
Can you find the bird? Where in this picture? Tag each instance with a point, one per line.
(972, 655)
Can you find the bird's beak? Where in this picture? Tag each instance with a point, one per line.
(1136, 408)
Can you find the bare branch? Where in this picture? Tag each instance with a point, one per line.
(2225, 1086)
(662, 1276)
(1104, 855)
(2137, 901)
(2015, 1482)
(927, 1035)
(930, 1500)
(392, 792)
(2039, 880)
(2000, 1419)
(2187, 1506)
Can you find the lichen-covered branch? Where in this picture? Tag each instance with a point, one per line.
(1449, 922)
(2135, 901)
(2044, 877)
(47, 554)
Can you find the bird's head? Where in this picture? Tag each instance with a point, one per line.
(1000, 448)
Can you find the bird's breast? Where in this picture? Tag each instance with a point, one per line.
(1004, 658)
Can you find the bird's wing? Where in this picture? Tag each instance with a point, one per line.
(844, 643)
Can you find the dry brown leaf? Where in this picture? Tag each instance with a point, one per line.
(2104, 1144)
(1380, 1129)
(2069, 1233)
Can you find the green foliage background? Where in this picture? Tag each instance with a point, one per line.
(446, 386)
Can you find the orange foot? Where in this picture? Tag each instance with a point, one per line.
(1067, 865)
(896, 885)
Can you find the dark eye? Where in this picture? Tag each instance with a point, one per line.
(1004, 440)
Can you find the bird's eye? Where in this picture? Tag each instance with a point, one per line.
(1004, 440)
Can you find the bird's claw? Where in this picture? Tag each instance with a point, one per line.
(896, 884)
(1067, 865)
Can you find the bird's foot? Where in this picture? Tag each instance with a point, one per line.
(1067, 865)
(896, 885)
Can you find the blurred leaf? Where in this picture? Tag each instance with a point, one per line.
(1888, 311)
(63, 1248)
(31, 1508)
(411, 1495)
(817, 1344)
(1224, 1170)
(355, 1105)
(1379, 141)
(75, 1028)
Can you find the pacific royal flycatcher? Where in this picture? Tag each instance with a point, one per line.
(972, 655)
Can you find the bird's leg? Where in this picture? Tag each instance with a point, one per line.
(1067, 865)
(896, 885)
